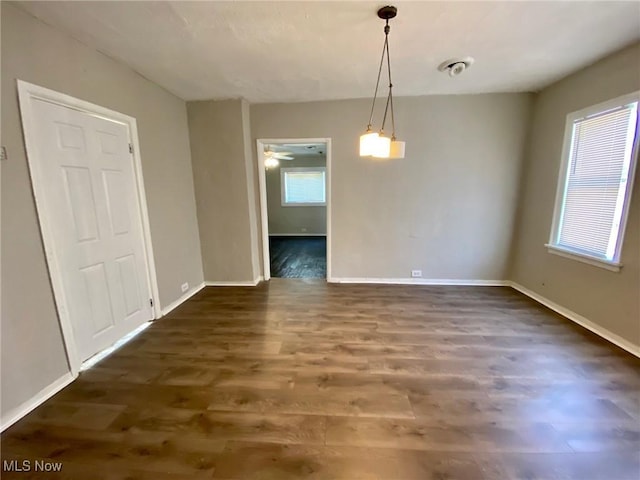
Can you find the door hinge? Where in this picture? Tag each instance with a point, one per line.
(151, 302)
(131, 148)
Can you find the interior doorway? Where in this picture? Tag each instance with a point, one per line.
(295, 206)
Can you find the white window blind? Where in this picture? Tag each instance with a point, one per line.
(596, 185)
(303, 186)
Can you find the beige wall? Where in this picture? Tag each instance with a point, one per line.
(611, 300)
(32, 350)
(228, 228)
(293, 220)
(447, 208)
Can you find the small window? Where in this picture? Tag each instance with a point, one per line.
(595, 182)
(304, 186)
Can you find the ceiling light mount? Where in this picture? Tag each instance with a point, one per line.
(376, 144)
(388, 12)
(455, 66)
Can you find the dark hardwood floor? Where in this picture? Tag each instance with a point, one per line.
(298, 379)
(298, 257)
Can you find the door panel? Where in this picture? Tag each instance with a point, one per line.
(92, 201)
(130, 284)
(116, 201)
(70, 137)
(108, 143)
(81, 202)
(97, 288)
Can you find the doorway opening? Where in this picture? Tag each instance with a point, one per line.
(295, 205)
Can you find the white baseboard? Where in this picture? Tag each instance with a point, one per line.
(15, 414)
(297, 234)
(580, 320)
(182, 299)
(247, 283)
(421, 281)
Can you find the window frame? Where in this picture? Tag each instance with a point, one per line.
(283, 192)
(553, 246)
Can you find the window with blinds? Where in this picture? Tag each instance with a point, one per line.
(595, 181)
(303, 186)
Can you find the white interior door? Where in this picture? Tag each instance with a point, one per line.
(87, 180)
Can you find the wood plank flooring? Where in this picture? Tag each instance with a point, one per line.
(297, 379)
(298, 257)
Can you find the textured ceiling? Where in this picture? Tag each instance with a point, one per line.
(298, 150)
(303, 51)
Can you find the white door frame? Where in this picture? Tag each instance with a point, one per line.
(28, 92)
(262, 182)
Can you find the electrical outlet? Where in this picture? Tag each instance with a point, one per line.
(416, 273)
(185, 287)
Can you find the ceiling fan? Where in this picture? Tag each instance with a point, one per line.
(270, 153)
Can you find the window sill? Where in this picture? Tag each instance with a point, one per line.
(595, 261)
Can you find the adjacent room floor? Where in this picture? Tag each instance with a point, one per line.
(299, 379)
(298, 257)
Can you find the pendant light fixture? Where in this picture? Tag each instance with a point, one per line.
(376, 144)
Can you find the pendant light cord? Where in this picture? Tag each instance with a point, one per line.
(393, 120)
(390, 96)
(385, 48)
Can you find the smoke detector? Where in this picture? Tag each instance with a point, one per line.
(455, 66)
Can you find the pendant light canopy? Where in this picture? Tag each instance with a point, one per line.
(376, 144)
